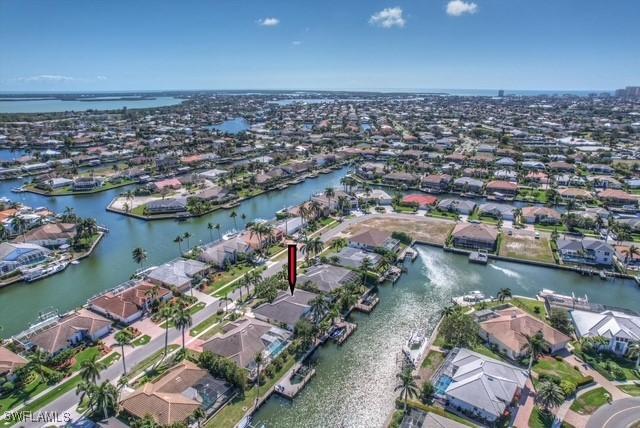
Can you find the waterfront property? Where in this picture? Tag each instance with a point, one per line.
(10, 361)
(475, 236)
(286, 310)
(586, 251)
(479, 386)
(508, 329)
(14, 256)
(326, 278)
(129, 302)
(618, 328)
(353, 257)
(373, 239)
(243, 339)
(175, 396)
(179, 273)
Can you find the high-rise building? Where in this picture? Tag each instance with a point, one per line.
(629, 92)
(501, 93)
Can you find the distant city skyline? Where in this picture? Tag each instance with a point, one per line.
(358, 45)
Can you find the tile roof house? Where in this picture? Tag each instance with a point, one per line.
(18, 255)
(352, 258)
(69, 331)
(10, 361)
(372, 239)
(481, 385)
(326, 278)
(496, 187)
(460, 206)
(436, 183)
(575, 193)
(503, 211)
(617, 197)
(542, 215)
(130, 304)
(178, 273)
(176, 395)
(619, 328)
(587, 251)
(242, 339)
(468, 184)
(508, 330)
(223, 253)
(51, 234)
(286, 310)
(475, 236)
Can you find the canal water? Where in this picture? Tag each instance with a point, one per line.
(353, 386)
(111, 262)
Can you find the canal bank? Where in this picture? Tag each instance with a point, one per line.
(353, 385)
(111, 262)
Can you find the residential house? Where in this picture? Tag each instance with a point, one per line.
(14, 256)
(542, 215)
(460, 206)
(352, 258)
(436, 183)
(422, 201)
(129, 303)
(286, 309)
(401, 178)
(509, 328)
(225, 253)
(51, 235)
(468, 185)
(619, 328)
(587, 251)
(475, 236)
(325, 278)
(179, 273)
(10, 361)
(573, 193)
(373, 239)
(617, 197)
(498, 211)
(166, 206)
(502, 188)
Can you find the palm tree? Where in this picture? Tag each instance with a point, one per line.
(365, 267)
(19, 224)
(504, 293)
(210, 227)
(549, 395)
(182, 320)
(258, 360)
(105, 398)
(407, 386)
(198, 415)
(634, 350)
(536, 345)
(319, 306)
(233, 215)
(343, 202)
(226, 299)
(139, 255)
(90, 369)
(187, 236)
(37, 362)
(86, 390)
(166, 313)
(217, 227)
(329, 193)
(123, 338)
(178, 240)
(630, 252)
(447, 311)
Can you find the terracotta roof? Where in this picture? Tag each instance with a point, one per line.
(371, 237)
(57, 337)
(128, 302)
(476, 232)
(422, 200)
(9, 361)
(501, 185)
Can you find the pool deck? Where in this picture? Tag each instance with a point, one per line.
(289, 390)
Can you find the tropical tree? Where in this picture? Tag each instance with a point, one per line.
(226, 299)
(182, 320)
(329, 193)
(319, 307)
(536, 345)
(123, 338)
(105, 397)
(233, 215)
(217, 227)
(178, 240)
(634, 351)
(139, 255)
(365, 267)
(166, 313)
(187, 236)
(549, 395)
(427, 393)
(37, 362)
(447, 311)
(258, 360)
(407, 386)
(90, 369)
(630, 252)
(504, 293)
(19, 225)
(198, 415)
(210, 227)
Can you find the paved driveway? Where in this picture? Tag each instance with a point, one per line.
(620, 414)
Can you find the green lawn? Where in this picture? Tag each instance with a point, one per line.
(532, 195)
(590, 401)
(235, 410)
(69, 189)
(437, 410)
(142, 340)
(483, 349)
(220, 279)
(213, 319)
(442, 214)
(527, 305)
(631, 389)
(483, 218)
(561, 369)
(29, 390)
(85, 355)
(539, 419)
(192, 310)
(112, 358)
(150, 361)
(433, 360)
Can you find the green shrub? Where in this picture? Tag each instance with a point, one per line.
(568, 387)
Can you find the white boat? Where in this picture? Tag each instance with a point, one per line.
(415, 340)
(18, 190)
(37, 273)
(75, 262)
(229, 235)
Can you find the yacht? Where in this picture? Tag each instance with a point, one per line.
(37, 273)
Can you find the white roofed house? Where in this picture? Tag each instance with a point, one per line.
(479, 386)
(14, 256)
(587, 251)
(223, 253)
(620, 329)
(179, 273)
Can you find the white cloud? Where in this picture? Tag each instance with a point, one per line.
(46, 78)
(268, 22)
(296, 43)
(387, 18)
(101, 77)
(459, 7)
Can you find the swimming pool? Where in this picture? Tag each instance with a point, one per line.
(443, 383)
(276, 348)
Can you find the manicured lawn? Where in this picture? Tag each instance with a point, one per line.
(403, 209)
(590, 401)
(192, 310)
(433, 360)
(142, 340)
(275, 249)
(433, 409)
(532, 195)
(539, 419)
(234, 411)
(442, 214)
(213, 319)
(527, 305)
(482, 218)
(85, 355)
(220, 279)
(150, 361)
(112, 358)
(29, 390)
(560, 369)
(605, 364)
(483, 349)
(631, 389)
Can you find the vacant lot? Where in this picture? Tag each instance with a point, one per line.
(426, 229)
(523, 245)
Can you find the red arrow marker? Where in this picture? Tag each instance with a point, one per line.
(293, 266)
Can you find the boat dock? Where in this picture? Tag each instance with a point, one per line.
(368, 303)
(290, 386)
(479, 257)
(408, 253)
(342, 330)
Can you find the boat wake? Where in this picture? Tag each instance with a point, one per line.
(508, 272)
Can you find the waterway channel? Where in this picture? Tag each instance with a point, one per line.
(111, 262)
(353, 386)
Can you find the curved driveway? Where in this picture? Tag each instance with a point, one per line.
(619, 414)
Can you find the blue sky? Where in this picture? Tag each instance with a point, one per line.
(318, 44)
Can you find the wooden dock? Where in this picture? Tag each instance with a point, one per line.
(288, 389)
(349, 328)
(367, 305)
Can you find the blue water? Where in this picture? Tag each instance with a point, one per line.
(443, 383)
(276, 349)
(103, 103)
(8, 155)
(232, 126)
